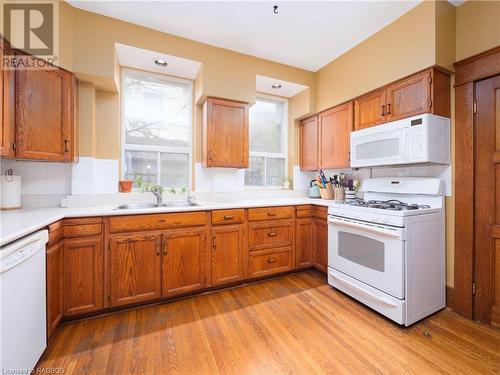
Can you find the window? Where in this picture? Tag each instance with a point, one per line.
(156, 112)
(268, 143)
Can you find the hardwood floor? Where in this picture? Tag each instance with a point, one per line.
(296, 324)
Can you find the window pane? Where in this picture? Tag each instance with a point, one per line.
(275, 171)
(174, 170)
(254, 174)
(157, 111)
(140, 163)
(266, 119)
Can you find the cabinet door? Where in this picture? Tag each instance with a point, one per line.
(83, 275)
(135, 268)
(54, 269)
(335, 126)
(321, 236)
(225, 131)
(409, 97)
(7, 132)
(184, 261)
(227, 254)
(370, 109)
(309, 144)
(304, 242)
(44, 114)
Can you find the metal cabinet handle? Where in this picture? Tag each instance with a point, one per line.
(272, 234)
(383, 110)
(165, 248)
(389, 108)
(66, 144)
(271, 260)
(271, 214)
(228, 217)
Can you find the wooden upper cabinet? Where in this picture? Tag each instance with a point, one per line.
(83, 275)
(370, 109)
(309, 144)
(225, 133)
(184, 261)
(409, 97)
(227, 254)
(335, 126)
(135, 268)
(7, 132)
(44, 110)
(424, 92)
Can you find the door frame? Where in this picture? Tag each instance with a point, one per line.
(467, 72)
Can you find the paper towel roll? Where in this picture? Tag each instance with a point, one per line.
(10, 187)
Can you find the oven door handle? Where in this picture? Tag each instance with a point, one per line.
(351, 224)
(362, 291)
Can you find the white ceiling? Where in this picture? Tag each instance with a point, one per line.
(143, 59)
(304, 34)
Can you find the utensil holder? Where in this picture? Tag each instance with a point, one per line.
(338, 193)
(326, 193)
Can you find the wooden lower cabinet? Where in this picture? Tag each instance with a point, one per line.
(54, 269)
(184, 261)
(226, 261)
(321, 245)
(271, 261)
(135, 268)
(83, 266)
(304, 242)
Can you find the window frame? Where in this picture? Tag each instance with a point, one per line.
(158, 149)
(284, 141)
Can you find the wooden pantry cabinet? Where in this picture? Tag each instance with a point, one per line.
(325, 139)
(424, 92)
(225, 133)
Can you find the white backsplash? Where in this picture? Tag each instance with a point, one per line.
(301, 179)
(44, 184)
(95, 176)
(218, 179)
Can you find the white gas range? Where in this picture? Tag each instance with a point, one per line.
(388, 250)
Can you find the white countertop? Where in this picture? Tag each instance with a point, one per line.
(19, 223)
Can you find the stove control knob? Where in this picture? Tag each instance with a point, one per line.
(375, 220)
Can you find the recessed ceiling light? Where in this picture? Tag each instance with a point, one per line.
(161, 62)
(276, 86)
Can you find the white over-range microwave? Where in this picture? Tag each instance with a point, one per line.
(415, 140)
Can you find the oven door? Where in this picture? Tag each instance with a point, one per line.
(380, 147)
(371, 253)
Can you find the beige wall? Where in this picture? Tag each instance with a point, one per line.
(400, 49)
(87, 48)
(478, 27)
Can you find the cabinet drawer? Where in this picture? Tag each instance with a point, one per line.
(304, 211)
(270, 234)
(228, 216)
(270, 213)
(268, 262)
(70, 231)
(158, 221)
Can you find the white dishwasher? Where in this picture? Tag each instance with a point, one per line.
(23, 335)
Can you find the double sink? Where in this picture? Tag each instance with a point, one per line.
(139, 206)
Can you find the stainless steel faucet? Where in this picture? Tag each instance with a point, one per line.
(158, 193)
